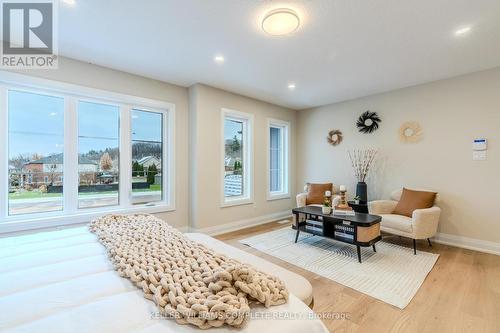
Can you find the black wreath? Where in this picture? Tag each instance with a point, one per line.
(362, 122)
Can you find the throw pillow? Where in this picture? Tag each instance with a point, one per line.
(411, 200)
(316, 193)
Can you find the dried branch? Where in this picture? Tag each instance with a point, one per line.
(361, 161)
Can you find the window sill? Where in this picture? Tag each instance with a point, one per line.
(278, 196)
(237, 202)
(18, 223)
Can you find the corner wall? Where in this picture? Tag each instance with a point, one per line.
(205, 144)
(452, 113)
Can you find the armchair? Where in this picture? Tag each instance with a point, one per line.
(422, 225)
(302, 200)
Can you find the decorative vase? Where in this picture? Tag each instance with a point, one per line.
(326, 210)
(361, 192)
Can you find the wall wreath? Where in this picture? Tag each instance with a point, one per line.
(410, 132)
(334, 137)
(368, 122)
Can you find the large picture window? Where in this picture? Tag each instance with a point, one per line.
(237, 172)
(278, 164)
(80, 152)
(35, 153)
(147, 156)
(98, 154)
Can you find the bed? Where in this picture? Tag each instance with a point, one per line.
(62, 281)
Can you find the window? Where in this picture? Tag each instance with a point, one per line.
(147, 156)
(278, 165)
(80, 152)
(237, 172)
(35, 152)
(98, 154)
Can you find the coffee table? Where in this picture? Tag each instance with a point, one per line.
(360, 229)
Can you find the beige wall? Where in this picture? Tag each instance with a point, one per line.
(452, 113)
(84, 74)
(205, 144)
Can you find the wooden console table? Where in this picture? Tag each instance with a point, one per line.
(360, 229)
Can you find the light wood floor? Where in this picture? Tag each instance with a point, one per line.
(461, 293)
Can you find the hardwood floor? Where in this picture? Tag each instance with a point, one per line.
(461, 293)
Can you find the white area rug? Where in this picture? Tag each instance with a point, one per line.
(392, 274)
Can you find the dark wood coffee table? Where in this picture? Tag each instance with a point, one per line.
(360, 229)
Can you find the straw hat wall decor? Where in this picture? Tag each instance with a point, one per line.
(410, 132)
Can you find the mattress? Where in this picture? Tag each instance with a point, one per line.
(62, 281)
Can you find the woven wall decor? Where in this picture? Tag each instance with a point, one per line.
(410, 132)
(334, 137)
(368, 122)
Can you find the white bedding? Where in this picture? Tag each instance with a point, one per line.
(62, 281)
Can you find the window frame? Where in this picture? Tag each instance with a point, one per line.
(72, 94)
(248, 159)
(285, 159)
(168, 149)
(86, 99)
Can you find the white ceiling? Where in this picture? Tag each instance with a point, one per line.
(344, 49)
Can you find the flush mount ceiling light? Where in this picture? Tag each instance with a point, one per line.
(280, 22)
(69, 2)
(462, 31)
(219, 59)
(291, 86)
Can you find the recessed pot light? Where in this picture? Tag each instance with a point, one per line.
(291, 86)
(219, 59)
(462, 31)
(281, 21)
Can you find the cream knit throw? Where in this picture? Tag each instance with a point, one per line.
(188, 281)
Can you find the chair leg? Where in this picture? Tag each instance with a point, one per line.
(429, 241)
(414, 247)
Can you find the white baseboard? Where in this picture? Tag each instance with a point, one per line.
(233, 226)
(468, 243)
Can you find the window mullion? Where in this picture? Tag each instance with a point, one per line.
(70, 180)
(125, 194)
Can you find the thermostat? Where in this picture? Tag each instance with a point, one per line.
(479, 144)
(479, 147)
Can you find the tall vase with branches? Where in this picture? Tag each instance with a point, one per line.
(361, 161)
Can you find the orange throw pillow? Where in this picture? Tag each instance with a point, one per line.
(316, 193)
(411, 200)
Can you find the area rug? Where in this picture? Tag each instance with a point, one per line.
(392, 274)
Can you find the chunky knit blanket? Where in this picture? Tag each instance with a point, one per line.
(187, 281)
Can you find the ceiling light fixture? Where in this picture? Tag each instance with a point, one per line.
(69, 2)
(219, 59)
(281, 21)
(291, 86)
(462, 31)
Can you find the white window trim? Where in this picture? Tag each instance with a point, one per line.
(72, 93)
(248, 160)
(285, 158)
